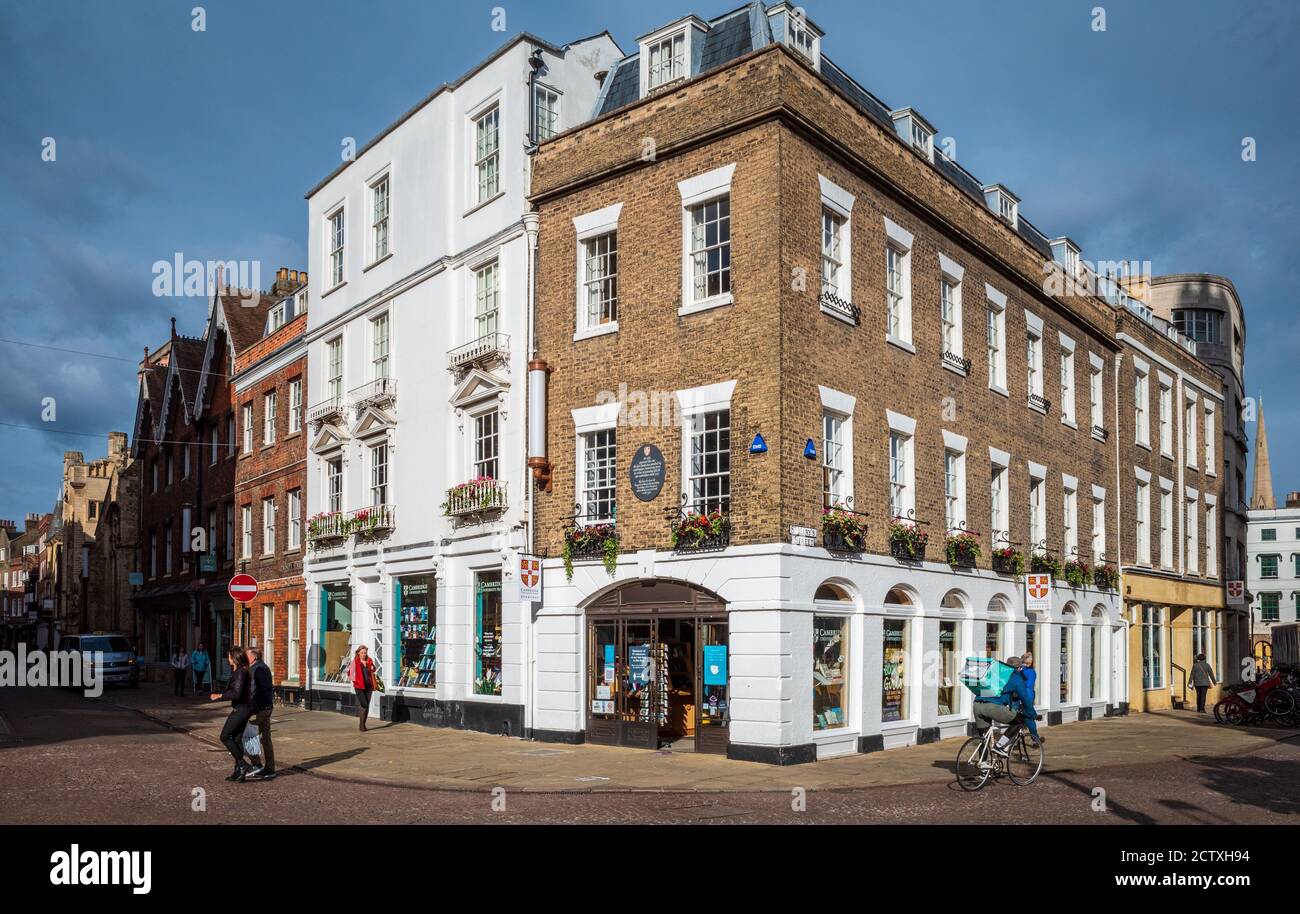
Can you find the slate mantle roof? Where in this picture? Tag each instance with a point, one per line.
(747, 28)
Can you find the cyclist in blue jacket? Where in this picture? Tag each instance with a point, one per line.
(1031, 678)
(1018, 695)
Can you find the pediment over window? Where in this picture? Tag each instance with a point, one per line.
(329, 438)
(373, 421)
(477, 387)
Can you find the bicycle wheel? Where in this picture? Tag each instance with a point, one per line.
(1234, 712)
(1024, 761)
(973, 769)
(1279, 702)
(1218, 711)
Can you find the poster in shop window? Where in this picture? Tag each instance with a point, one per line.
(893, 694)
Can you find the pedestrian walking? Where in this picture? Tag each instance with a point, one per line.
(239, 692)
(200, 664)
(264, 703)
(363, 681)
(180, 671)
(1031, 679)
(1202, 679)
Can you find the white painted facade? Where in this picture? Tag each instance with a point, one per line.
(1277, 557)
(440, 231)
(769, 593)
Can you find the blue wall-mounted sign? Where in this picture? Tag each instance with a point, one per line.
(810, 450)
(715, 664)
(759, 446)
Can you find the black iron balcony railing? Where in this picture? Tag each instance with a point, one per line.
(907, 541)
(1041, 403)
(841, 306)
(590, 537)
(962, 547)
(703, 526)
(954, 360)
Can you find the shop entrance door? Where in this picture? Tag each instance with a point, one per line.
(656, 682)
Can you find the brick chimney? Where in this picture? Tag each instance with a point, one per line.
(1293, 499)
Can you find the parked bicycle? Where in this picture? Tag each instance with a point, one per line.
(980, 759)
(1271, 698)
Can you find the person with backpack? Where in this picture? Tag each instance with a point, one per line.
(1010, 705)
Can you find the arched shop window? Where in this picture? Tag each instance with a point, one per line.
(995, 629)
(900, 596)
(1065, 653)
(830, 592)
(954, 599)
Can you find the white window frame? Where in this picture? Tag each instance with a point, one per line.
(381, 224)
(294, 498)
(268, 417)
(588, 228)
(653, 73)
(486, 174)
(546, 127)
(1191, 412)
(1210, 450)
(333, 365)
(1034, 364)
(1099, 554)
(1165, 415)
(1141, 404)
(902, 465)
(954, 481)
(478, 463)
(1211, 534)
(336, 245)
(1096, 392)
(269, 511)
(837, 407)
(1069, 517)
(695, 192)
(246, 531)
(1191, 531)
(1068, 388)
(487, 314)
(334, 485)
(996, 304)
(1142, 515)
(247, 441)
(1167, 560)
(898, 296)
(379, 473)
(999, 497)
(295, 406)
(381, 346)
(1037, 505)
(294, 640)
(837, 203)
(951, 340)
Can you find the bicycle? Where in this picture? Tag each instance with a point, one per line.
(979, 759)
(1257, 701)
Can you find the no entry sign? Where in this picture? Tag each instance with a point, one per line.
(242, 588)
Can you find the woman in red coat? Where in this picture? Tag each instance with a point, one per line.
(363, 681)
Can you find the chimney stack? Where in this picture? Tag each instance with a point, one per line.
(1293, 499)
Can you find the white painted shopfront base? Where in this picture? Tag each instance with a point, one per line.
(769, 595)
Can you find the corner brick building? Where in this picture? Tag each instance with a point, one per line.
(797, 261)
(269, 393)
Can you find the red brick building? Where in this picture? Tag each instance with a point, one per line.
(269, 392)
(185, 439)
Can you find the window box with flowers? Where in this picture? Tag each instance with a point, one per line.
(371, 521)
(843, 530)
(1105, 577)
(478, 496)
(963, 550)
(1077, 573)
(907, 541)
(692, 532)
(1045, 563)
(1007, 560)
(589, 542)
(327, 526)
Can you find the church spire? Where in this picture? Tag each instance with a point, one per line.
(1261, 486)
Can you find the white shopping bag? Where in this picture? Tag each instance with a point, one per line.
(252, 740)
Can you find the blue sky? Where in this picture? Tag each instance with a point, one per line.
(171, 140)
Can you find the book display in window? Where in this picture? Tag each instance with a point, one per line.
(830, 671)
(417, 632)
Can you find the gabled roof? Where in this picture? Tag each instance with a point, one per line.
(236, 326)
(182, 375)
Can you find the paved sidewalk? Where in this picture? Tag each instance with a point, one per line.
(411, 755)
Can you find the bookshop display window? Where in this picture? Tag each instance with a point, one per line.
(993, 640)
(335, 632)
(487, 633)
(893, 696)
(949, 646)
(830, 671)
(1064, 667)
(417, 634)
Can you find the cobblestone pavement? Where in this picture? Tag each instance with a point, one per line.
(66, 759)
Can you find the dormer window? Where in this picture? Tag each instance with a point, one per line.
(1066, 253)
(1003, 202)
(667, 60)
(276, 318)
(916, 131)
(790, 25)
